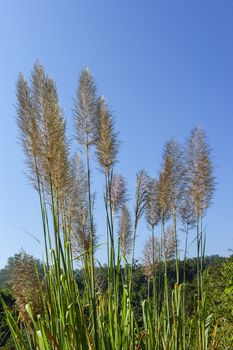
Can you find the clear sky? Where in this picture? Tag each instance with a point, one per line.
(163, 65)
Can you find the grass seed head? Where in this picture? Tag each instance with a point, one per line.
(125, 232)
(199, 170)
(106, 142)
(85, 109)
(118, 192)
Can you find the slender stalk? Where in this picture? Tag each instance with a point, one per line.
(166, 291)
(153, 269)
(93, 301)
(184, 285)
(176, 245)
(198, 278)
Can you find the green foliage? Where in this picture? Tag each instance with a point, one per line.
(6, 341)
(6, 277)
(220, 271)
(220, 302)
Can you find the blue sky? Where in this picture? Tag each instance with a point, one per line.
(163, 66)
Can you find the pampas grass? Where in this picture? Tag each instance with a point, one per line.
(177, 199)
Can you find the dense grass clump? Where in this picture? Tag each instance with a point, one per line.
(52, 312)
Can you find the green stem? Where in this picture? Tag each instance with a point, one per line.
(176, 246)
(93, 302)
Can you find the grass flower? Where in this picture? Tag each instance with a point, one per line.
(150, 257)
(106, 141)
(26, 287)
(118, 192)
(85, 109)
(199, 171)
(125, 232)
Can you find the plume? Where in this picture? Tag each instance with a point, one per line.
(152, 207)
(106, 142)
(79, 211)
(199, 172)
(56, 156)
(164, 192)
(26, 287)
(150, 256)
(173, 165)
(187, 212)
(85, 109)
(125, 232)
(169, 243)
(141, 195)
(29, 130)
(42, 128)
(170, 184)
(118, 192)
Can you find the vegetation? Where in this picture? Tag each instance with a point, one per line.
(111, 307)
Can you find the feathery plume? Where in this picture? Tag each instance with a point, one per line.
(57, 162)
(29, 130)
(169, 243)
(164, 192)
(199, 172)
(26, 287)
(173, 162)
(141, 195)
(106, 142)
(170, 184)
(118, 192)
(150, 256)
(85, 109)
(42, 127)
(152, 208)
(125, 232)
(188, 220)
(187, 212)
(79, 211)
